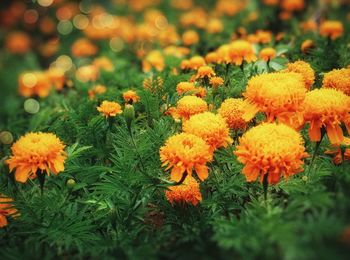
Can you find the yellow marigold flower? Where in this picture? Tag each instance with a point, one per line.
(87, 73)
(186, 193)
(278, 95)
(35, 83)
(307, 45)
(103, 63)
(196, 62)
(56, 77)
(210, 127)
(190, 37)
(332, 29)
(154, 59)
(239, 51)
(338, 79)
(292, 5)
(185, 87)
(267, 54)
(260, 36)
(6, 210)
(340, 154)
(212, 57)
(185, 64)
(109, 109)
(305, 70)
(130, 96)
(232, 110)
(185, 152)
(216, 81)
(190, 105)
(273, 149)
(327, 108)
(36, 151)
(83, 48)
(214, 26)
(205, 71)
(98, 89)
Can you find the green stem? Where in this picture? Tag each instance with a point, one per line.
(317, 147)
(41, 177)
(265, 186)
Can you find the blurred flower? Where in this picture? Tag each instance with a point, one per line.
(87, 73)
(214, 26)
(205, 72)
(6, 210)
(309, 25)
(188, 106)
(109, 108)
(307, 45)
(232, 110)
(292, 5)
(305, 70)
(339, 152)
(273, 149)
(130, 97)
(83, 48)
(230, 7)
(183, 153)
(154, 85)
(260, 36)
(185, 87)
(56, 77)
(36, 152)
(212, 57)
(35, 83)
(188, 192)
(190, 37)
(267, 54)
(271, 2)
(215, 82)
(332, 29)
(338, 79)
(196, 62)
(154, 59)
(18, 43)
(103, 63)
(98, 89)
(240, 51)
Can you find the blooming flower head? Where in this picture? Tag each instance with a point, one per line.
(36, 151)
(190, 37)
(212, 57)
(338, 79)
(273, 149)
(154, 59)
(18, 42)
(185, 152)
(232, 110)
(267, 54)
(103, 63)
(339, 153)
(307, 45)
(327, 108)
(278, 95)
(87, 73)
(109, 108)
(332, 29)
(305, 70)
(190, 105)
(292, 5)
(6, 209)
(210, 127)
(131, 96)
(196, 61)
(239, 51)
(185, 87)
(83, 48)
(205, 72)
(34, 83)
(186, 193)
(214, 26)
(96, 90)
(215, 82)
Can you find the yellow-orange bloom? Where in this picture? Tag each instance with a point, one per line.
(205, 71)
(185, 152)
(185, 87)
(109, 108)
(18, 42)
(190, 37)
(103, 63)
(210, 127)
(273, 149)
(36, 152)
(216, 81)
(6, 210)
(292, 5)
(338, 79)
(307, 45)
(131, 96)
(154, 59)
(56, 77)
(87, 73)
(340, 154)
(332, 29)
(83, 48)
(239, 51)
(327, 108)
(232, 110)
(196, 61)
(96, 90)
(305, 70)
(188, 106)
(214, 26)
(212, 57)
(34, 83)
(267, 54)
(278, 95)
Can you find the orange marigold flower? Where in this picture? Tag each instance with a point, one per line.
(240, 51)
(130, 96)
(34, 152)
(83, 48)
(232, 110)
(278, 95)
(339, 152)
(210, 127)
(338, 79)
(18, 42)
(273, 149)
(214, 26)
(188, 106)
(309, 25)
(196, 62)
(200, 92)
(109, 108)
(96, 90)
(270, 2)
(216, 81)
(6, 210)
(292, 5)
(212, 57)
(305, 70)
(307, 45)
(185, 64)
(34, 83)
(103, 63)
(185, 87)
(87, 73)
(185, 152)
(56, 77)
(327, 108)
(267, 54)
(190, 37)
(332, 29)
(186, 193)
(154, 59)
(205, 72)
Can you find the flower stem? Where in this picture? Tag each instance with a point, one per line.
(317, 147)
(265, 186)
(41, 177)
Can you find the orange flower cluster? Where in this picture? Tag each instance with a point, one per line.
(187, 192)
(6, 210)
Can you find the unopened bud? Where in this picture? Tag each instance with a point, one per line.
(129, 114)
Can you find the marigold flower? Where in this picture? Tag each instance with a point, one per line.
(278, 95)
(188, 106)
(18, 42)
(339, 153)
(273, 149)
(103, 63)
(185, 87)
(190, 37)
(210, 127)
(87, 73)
(154, 59)
(56, 77)
(270, 2)
(292, 5)
(186, 193)
(109, 108)
(240, 51)
(327, 108)
(267, 54)
(232, 110)
(307, 45)
(34, 152)
(305, 70)
(83, 48)
(6, 210)
(214, 26)
(216, 81)
(200, 92)
(309, 25)
(185, 64)
(205, 72)
(332, 29)
(196, 62)
(183, 153)
(34, 83)
(131, 96)
(212, 57)
(96, 90)
(338, 79)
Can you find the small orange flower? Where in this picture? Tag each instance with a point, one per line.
(6, 210)
(216, 81)
(131, 96)
(267, 54)
(309, 25)
(183, 153)
(273, 149)
(83, 48)
(292, 5)
(200, 92)
(96, 90)
(34, 152)
(185, 87)
(305, 70)
(240, 51)
(196, 62)
(327, 108)
(87, 73)
(338, 79)
(155, 60)
(212, 57)
(185, 64)
(103, 63)
(56, 77)
(307, 45)
(188, 192)
(339, 153)
(188, 106)
(332, 29)
(18, 42)
(214, 26)
(109, 108)
(232, 110)
(34, 83)
(205, 72)
(190, 37)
